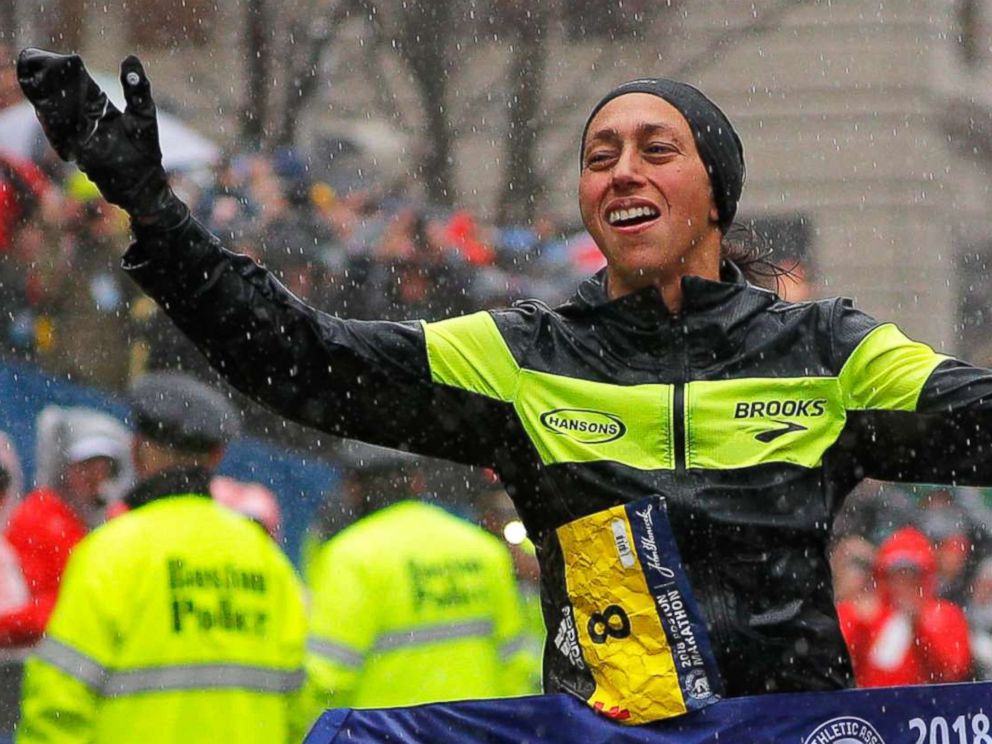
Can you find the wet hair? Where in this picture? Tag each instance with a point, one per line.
(751, 252)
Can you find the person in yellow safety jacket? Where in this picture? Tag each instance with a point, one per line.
(412, 604)
(179, 620)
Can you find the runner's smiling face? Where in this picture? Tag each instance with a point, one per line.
(645, 195)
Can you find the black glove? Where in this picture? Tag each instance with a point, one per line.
(119, 152)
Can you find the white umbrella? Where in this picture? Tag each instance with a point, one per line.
(182, 147)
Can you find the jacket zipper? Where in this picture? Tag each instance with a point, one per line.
(678, 400)
(710, 594)
(678, 414)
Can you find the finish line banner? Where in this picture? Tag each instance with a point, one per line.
(927, 714)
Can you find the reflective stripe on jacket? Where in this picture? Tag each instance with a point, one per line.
(178, 621)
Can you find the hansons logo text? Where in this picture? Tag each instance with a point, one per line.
(584, 425)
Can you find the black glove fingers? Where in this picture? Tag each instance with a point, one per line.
(139, 114)
(68, 102)
(137, 89)
(44, 76)
(119, 152)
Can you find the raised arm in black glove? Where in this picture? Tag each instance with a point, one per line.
(118, 151)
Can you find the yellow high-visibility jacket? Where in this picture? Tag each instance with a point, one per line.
(179, 621)
(412, 604)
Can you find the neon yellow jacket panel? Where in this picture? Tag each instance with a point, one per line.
(413, 605)
(177, 622)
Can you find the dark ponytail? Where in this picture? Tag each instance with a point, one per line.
(751, 252)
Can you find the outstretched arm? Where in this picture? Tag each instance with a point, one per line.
(913, 415)
(367, 380)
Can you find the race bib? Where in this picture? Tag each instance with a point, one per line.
(640, 632)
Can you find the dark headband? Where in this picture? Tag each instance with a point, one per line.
(719, 147)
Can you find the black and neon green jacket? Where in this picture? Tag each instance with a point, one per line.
(752, 416)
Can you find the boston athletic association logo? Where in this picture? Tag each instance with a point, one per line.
(844, 730)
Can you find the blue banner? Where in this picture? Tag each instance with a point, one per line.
(926, 714)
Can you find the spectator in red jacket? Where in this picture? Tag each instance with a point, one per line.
(22, 186)
(47, 524)
(912, 637)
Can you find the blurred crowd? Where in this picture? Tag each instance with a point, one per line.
(365, 252)
(912, 570)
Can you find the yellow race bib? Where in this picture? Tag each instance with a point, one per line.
(640, 633)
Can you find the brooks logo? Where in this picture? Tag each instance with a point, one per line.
(787, 427)
(760, 408)
(772, 409)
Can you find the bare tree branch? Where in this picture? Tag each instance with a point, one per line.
(522, 183)
(385, 95)
(314, 31)
(253, 114)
